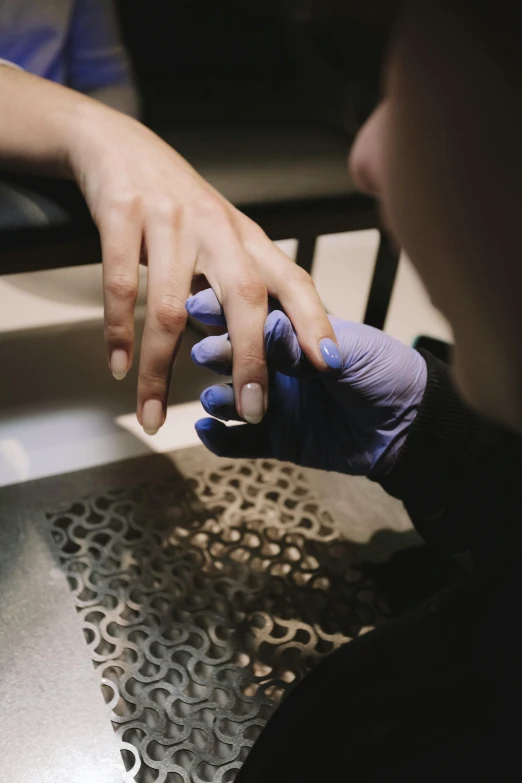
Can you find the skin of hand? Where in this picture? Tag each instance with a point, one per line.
(352, 420)
(151, 206)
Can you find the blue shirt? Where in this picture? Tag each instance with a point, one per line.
(73, 42)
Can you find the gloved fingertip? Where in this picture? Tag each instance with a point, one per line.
(330, 353)
(200, 355)
(217, 399)
(194, 354)
(189, 305)
(205, 307)
(202, 425)
(212, 351)
(205, 399)
(207, 430)
(277, 321)
(281, 343)
(277, 329)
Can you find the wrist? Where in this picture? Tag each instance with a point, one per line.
(82, 132)
(43, 121)
(441, 446)
(395, 433)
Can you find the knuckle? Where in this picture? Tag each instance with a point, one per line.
(209, 207)
(125, 204)
(298, 276)
(170, 314)
(118, 334)
(153, 381)
(120, 286)
(118, 330)
(255, 362)
(251, 290)
(215, 220)
(166, 209)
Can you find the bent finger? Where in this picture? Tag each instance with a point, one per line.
(205, 307)
(121, 240)
(214, 353)
(171, 264)
(244, 300)
(218, 401)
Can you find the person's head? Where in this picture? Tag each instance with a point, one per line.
(443, 154)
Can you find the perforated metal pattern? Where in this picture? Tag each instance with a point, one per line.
(202, 601)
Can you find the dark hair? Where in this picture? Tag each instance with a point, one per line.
(497, 23)
(367, 11)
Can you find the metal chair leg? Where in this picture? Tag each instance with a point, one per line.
(384, 275)
(305, 252)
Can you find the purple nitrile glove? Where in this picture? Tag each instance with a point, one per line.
(351, 420)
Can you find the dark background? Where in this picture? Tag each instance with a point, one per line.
(251, 61)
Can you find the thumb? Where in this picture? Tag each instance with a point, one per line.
(284, 354)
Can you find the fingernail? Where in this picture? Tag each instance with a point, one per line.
(252, 403)
(330, 354)
(152, 416)
(119, 364)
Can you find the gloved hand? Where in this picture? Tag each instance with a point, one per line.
(353, 419)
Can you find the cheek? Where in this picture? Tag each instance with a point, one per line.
(412, 208)
(454, 206)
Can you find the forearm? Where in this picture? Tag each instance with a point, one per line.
(39, 121)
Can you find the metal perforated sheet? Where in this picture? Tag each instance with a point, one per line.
(202, 601)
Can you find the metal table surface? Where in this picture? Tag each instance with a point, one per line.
(148, 632)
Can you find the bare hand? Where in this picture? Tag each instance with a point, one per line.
(150, 205)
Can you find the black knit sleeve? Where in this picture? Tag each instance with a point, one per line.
(459, 476)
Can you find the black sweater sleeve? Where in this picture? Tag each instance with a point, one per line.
(459, 476)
